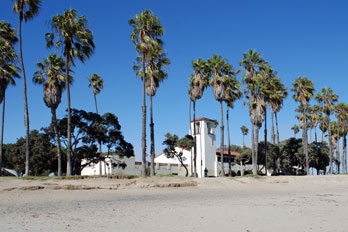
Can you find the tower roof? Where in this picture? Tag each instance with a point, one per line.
(204, 119)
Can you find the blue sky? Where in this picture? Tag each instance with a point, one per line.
(298, 38)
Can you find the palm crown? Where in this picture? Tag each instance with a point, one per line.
(26, 9)
(96, 82)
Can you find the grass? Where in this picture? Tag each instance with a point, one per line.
(43, 178)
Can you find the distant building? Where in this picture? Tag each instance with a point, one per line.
(207, 157)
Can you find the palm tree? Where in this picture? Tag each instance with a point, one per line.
(155, 74)
(296, 129)
(8, 71)
(341, 111)
(53, 69)
(245, 132)
(323, 125)
(327, 98)
(220, 69)
(315, 117)
(252, 62)
(97, 83)
(303, 92)
(26, 9)
(199, 80)
(146, 34)
(232, 94)
(76, 41)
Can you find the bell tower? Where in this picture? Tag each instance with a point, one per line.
(205, 146)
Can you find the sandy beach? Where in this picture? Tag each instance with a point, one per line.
(308, 203)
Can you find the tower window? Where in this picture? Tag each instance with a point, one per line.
(198, 128)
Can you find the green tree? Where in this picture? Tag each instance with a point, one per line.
(8, 71)
(51, 76)
(245, 132)
(303, 92)
(318, 156)
(327, 98)
(252, 62)
(146, 34)
(88, 129)
(199, 80)
(173, 141)
(296, 129)
(75, 41)
(26, 9)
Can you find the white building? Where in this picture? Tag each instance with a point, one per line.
(206, 157)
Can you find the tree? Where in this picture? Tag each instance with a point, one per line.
(296, 129)
(155, 73)
(315, 117)
(323, 125)
(8, 71)
(245, 132)
(43, 159)
(51, 76)
(252, 62)
(341, 111)
(318, 156)
(97, 83)
(172, 142)
(199, 80)
(220, 71)
(75, 41)
(146, 34)
(26, 9)
(303, 91)
(327, 99)
(87, 130)
(232, 94)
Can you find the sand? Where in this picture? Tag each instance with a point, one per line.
(308, 203)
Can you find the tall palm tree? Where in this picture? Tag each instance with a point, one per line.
(51, 76)
(8, 71)
(75, 41)
(146, 34)
(252, 62)
(26, 9)
(315, 118)
(245, 132)
(296, 129)
(199, 80)
(97, 83)
(220, 70)
(303, 89)
(341, 111)
(327, 98)
(233, 93)
(323, 125)
(155, 74)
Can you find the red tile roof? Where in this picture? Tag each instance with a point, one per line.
(233, 153)
(203, 119)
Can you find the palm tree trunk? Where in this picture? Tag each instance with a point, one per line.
(315, 134)
(304, 140)
(256, 147)
(152, 125)
(253, 148)
(222, 140)
(266, 146)
(143, 138)
(338, 158)
(26, 111)
(59, 149)
(330, 146)
(67, 86)
(272, 133)
(2, 132)
(229, 142)
(276, 119)
(191, 162)
(345, 150)
(195, 140)
(96, 104)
